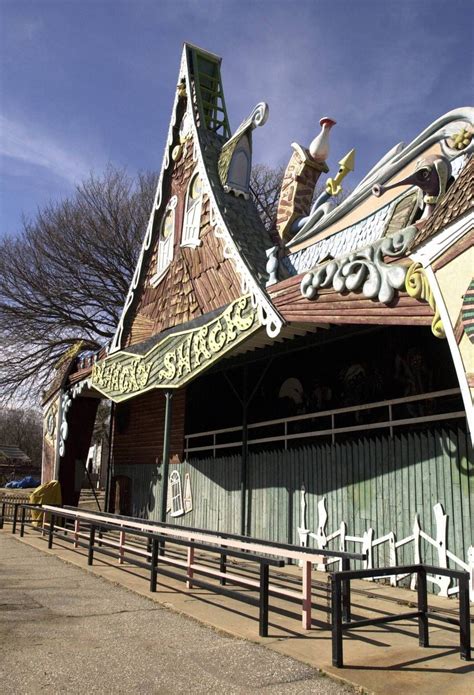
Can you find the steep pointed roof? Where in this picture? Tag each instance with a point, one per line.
(235, 221)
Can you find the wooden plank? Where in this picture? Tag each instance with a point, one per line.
(457, 519)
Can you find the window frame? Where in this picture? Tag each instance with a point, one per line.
(165, 249)
(176, 494)
(192, 239)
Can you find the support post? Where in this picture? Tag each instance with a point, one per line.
(346, 592)
(189, 563)
(464, 619)
(153, 564)
(243, 472)
(3, 514)
(263, 603)
(90, 555)
(15, 517)
(77, 525)
(22, 524)
(337, 658)
(52, 521)
(121, 544)
(223, 568)
(423, 637)
(108, 477)
(306, 612)
(166, 453)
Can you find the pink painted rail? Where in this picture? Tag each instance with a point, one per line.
(304, 556)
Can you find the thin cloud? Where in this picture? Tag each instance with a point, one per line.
(28, 144)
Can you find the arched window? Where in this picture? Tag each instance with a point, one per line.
(192, 215)
(166, 239)
(238, 177)
(177, 508)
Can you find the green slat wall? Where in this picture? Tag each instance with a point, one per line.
(377, 481)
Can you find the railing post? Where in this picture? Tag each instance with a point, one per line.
(3, 514)
(15, 516)
(263, 602)
(90, 555)
(22, 523)
(337, 655)
(286, 434)
(153, 564)
(346, 592)
(333, 426)
(390, 419)
(77, 524)
(306, 611)
(214, 445)
(464, 619)
(190, 561)
(223, 568)
(52, 521)
(121, 543)
(423, 636)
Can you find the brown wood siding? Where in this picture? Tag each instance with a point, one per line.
(332, 307)
(139, 426)
(198, 280)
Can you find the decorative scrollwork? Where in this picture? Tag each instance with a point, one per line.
(418, 287)
(259, 115)
(364, 269)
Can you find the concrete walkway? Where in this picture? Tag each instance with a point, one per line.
(378, 659)
(65, 631)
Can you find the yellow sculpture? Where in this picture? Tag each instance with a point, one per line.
(333, 186)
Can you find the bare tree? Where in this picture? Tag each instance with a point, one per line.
(265, 185)
(22, 428)
(65, 277)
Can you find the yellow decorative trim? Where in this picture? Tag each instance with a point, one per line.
(346, 165)
(71, 352)
(178, 358)
(418, 287)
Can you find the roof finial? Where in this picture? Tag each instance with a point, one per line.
(319, 148)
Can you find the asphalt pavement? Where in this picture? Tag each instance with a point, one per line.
(63, 630)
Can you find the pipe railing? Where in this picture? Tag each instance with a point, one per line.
(389, 422)
(341, 624)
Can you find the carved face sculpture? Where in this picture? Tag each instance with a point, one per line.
(431, 175)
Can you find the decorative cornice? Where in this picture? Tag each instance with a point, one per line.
(418, 287)
(364, 269)
(441, 130)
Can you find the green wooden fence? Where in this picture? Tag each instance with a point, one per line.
(376, 481)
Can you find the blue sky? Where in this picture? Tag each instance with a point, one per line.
(84, 83)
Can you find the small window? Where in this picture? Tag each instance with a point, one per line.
(177, 508)
(192, 216)
(165, 241)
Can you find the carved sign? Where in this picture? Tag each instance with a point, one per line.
(178, 358)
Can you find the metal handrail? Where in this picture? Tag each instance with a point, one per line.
(341, 613)
(285, 437)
